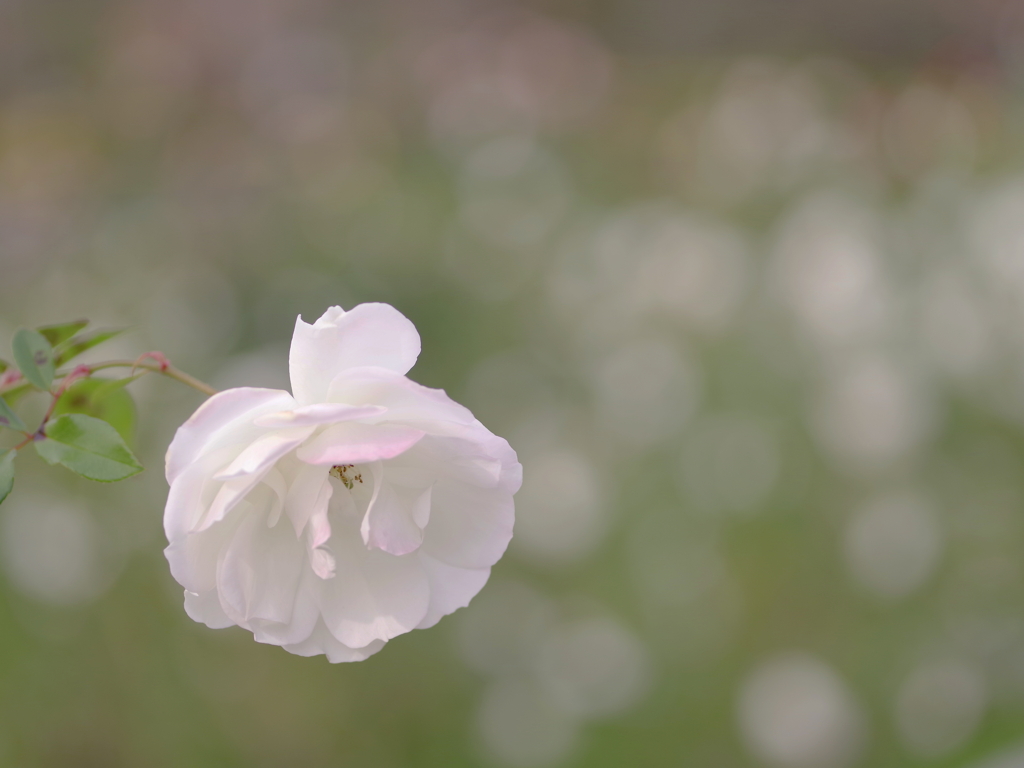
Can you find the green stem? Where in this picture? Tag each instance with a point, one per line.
(166, 370)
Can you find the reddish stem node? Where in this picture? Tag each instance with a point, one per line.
(158, 357)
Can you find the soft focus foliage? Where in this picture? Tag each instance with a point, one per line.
(742, 283)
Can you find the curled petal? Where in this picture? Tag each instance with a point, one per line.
(193, 556)
(396, 516)
(306, 504)
(190, 495)
(322, 641)
(483, 462)
(319, 413)
(318, 533)
(451, 588)
(370, 334)
(243, 474)
(406, 401)
(355, 443)
(204, 607)
(276, 482)
(322, 563)
(469, 527)
(263, 452)
(215, 419)
(304, 617)
(259, 572)
(374, 595)
(310, 486)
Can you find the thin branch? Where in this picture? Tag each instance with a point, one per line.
(28, 439)
(80, 372)
(166, 370)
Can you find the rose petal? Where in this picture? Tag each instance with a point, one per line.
(396, 515)
(205, 608)
(483, 463)
(310, 486)
(259, 572)
(193, 556)
(247, 471)
(322, 641)
(374, 595)
(470, 527)
(451, 588)
(318, 533)
(307, 504)
(261, 454)
(304, 617)
(322, 563)
(215, 417)
(191, 493)
(355, 443)
(276, 482)
(370, 334)
(406, 401)
(319, 413)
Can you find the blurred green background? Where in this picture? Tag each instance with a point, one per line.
(741, 281)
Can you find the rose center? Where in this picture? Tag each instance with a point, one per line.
(347, 474)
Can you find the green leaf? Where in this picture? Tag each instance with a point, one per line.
(104, 399)
(57, 334)
(6, 473)
(72, 348)
(4, 365)
(9, 418)
(88, 447)
(34, 356)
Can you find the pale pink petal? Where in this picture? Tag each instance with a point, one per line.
(193, 557)
(374, 595)
(230, 494)
(322, 562)
(319, 413)
(406, 401)
(470, 527)
(322, 641)
(355, 443)
(205, 608)
(276, 482)
(396, 515)
(370, 334)
(259, 572)
(318, 532)
(487, 463)
(310, 487)
(247, 471)
(190, 495)
(306, 504)
(207, 426)
(304, 618)
(261, 454)
(451, 588)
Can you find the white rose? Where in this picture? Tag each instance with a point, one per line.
(332, 519)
